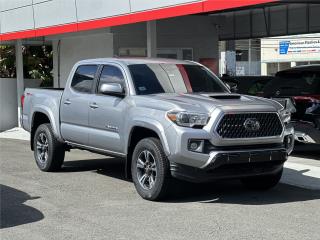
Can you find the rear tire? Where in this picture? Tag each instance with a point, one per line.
(48, 151)
(150, 169)
(262, 182)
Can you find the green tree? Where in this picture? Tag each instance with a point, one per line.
(37, 63)
(7, 62)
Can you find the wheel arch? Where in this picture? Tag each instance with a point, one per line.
(39, 117)
(138, 132)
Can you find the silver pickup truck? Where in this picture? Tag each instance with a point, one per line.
(167, 118)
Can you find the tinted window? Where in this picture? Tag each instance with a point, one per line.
(83, 78)
(169, 78)
(202, 80)
(145, 79)
(111, 74)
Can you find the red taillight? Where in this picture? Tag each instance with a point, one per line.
(310, 98)
(22, 101)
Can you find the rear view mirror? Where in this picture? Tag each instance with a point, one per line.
(115, 89)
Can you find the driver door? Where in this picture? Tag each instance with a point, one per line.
(107, 113)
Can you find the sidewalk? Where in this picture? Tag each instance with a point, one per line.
(16, 133)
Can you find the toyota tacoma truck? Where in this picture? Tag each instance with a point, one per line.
(167, 118)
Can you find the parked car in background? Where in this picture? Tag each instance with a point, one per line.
(251, 85)
(301, 85)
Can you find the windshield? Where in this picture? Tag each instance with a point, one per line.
(174, 78)
(294, 83)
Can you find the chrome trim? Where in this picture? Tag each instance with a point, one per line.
(213, 154)
(243, 139)
(77, 145)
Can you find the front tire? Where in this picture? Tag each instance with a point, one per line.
(48, 151)
(262, 182)
(150, 169)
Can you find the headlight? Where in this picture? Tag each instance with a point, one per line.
(188, 119)
(285, 116)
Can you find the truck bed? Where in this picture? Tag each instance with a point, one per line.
(40, 99)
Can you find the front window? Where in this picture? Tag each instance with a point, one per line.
(174, 78)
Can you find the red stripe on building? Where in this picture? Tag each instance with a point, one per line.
(181, 10)
(218, 5)
(72, 27)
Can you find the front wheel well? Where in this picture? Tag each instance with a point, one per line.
(136, 135)
(38, 119)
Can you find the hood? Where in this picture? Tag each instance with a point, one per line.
(206, 102)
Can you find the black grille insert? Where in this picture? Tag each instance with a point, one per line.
(249, 125)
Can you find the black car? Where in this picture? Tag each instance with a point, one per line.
(251, 85)
(301, 85)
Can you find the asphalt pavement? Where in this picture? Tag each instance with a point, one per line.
(91, 199)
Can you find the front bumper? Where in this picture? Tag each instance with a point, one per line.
(178, 140)
(226, 161)
(226, 171)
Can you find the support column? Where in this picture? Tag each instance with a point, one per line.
(249, 57)
(55, 64)
(231, 58)
(19, 73)
(152, 39)
(264, 69)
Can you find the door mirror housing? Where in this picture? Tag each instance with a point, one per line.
(114, 89)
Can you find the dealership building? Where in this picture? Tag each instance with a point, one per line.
(181, 29)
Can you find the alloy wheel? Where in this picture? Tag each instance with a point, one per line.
(146, 169)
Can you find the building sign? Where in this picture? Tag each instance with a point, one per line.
(299, 46)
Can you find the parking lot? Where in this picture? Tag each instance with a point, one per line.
(90, 199)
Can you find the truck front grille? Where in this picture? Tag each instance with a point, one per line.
(249, 125)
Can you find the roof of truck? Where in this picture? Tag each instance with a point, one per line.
(131, 61)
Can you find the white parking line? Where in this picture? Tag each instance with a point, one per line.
(301, 175)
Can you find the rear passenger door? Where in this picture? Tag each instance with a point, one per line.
(107, 113)
(74, 110)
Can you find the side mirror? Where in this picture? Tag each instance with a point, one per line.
(114, 89)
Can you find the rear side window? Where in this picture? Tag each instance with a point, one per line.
(83, 78)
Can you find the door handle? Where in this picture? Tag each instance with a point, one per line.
(67, 102)
(94, 105)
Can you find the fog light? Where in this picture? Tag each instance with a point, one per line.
(196, 145)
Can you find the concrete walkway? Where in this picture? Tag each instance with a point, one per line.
(15, 133)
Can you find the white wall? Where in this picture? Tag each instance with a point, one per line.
(8, 101)
(76, 48)
(17, 15)
(8, 104)
(201, 36)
